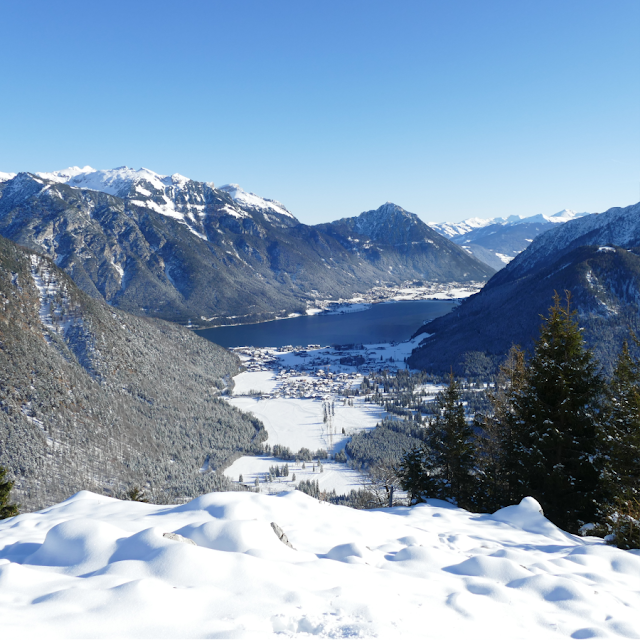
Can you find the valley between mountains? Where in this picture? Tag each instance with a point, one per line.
(276, 474)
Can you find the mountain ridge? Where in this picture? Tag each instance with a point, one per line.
(169, 247)
(496, 241)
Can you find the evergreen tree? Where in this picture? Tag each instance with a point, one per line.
(7, 510)
(443, 466)
(623, 427)
(136, 494)
(556, 454)
(497, 467)
(621, 510)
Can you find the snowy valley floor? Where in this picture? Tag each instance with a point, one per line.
(293, 420)
(95, 567)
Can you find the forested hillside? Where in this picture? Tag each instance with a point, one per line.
(94, 398)
(604, 282)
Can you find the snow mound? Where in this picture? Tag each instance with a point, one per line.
(93, 566)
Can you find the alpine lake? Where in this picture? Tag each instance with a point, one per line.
(383, 322)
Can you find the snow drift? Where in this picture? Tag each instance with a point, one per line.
(93, 566)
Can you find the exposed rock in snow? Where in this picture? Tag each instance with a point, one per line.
(176, 537)
(281, 535)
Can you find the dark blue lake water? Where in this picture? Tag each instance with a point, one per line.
(387, 322)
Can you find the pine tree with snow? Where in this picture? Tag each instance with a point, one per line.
(556, 449)
(443, 466)
(7, 509)
(623, 426)
(496, 463)
(621, 508)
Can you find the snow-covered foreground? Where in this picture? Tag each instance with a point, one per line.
(93, 567)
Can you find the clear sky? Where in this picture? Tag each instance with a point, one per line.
(448, 108)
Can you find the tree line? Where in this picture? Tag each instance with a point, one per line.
(556, 430)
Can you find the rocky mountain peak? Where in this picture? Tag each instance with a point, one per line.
(389, 223)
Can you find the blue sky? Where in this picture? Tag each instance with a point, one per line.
(450, 109)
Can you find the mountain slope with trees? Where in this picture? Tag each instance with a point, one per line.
(94, 398)
(594, 257)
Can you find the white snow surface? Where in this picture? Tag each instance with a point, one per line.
(93, 566)
(4, 177)
(252, 200)
(298, 422)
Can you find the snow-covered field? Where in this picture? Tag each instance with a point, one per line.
(95, 567)
(332, 475)
(298, 422)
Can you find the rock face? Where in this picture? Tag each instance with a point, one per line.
(173, 248)
(94, 398)
(595, 257)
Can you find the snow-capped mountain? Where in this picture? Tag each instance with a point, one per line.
(174, 196)
(453, 229)
(594, 257)
(619, 226)
(497, 241)
(179, 249)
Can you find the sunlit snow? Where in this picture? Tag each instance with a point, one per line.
(250, 199)
(96, 567)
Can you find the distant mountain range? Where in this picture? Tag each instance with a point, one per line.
(174, 248)
(596, 257)
(95, 398)
(497, 241)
